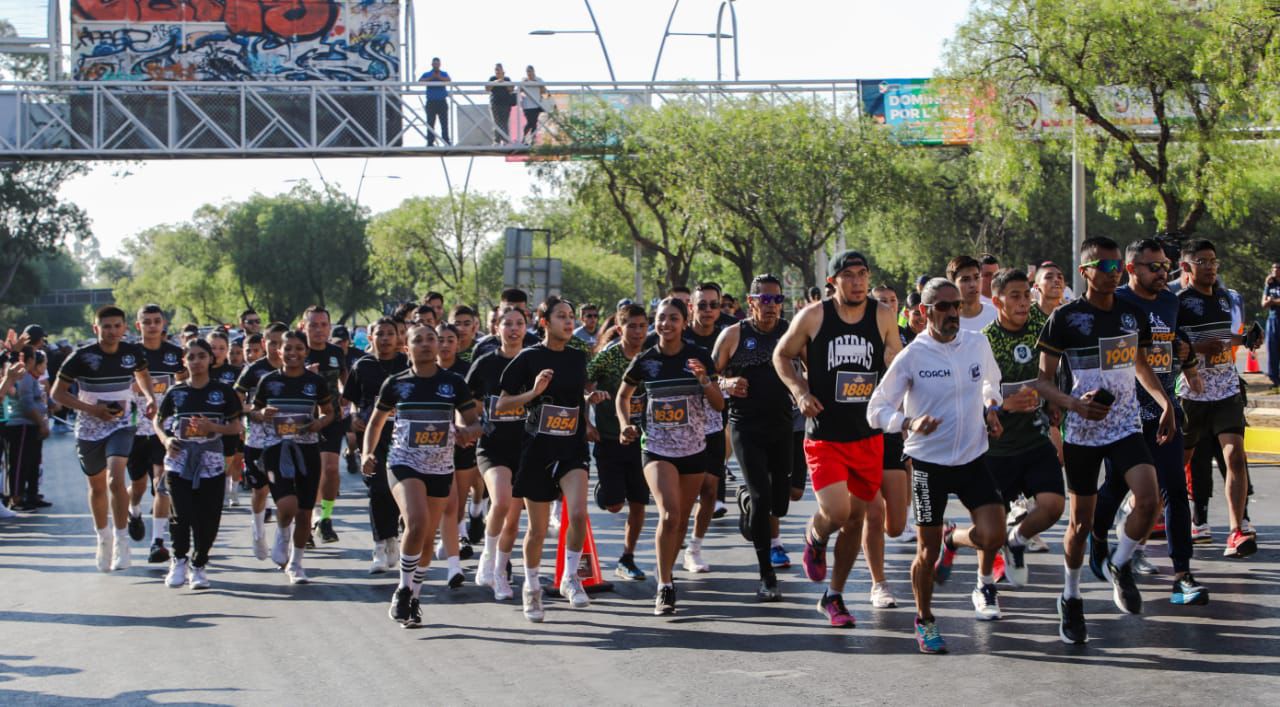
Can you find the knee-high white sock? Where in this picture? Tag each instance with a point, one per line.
(1071, 583)
(408, 566)
(1124, 548)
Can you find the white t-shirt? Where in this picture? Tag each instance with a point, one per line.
(985, 317)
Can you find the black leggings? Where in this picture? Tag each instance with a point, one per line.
(23, 445)
(196, 512)
(384, 514)
(765, 459)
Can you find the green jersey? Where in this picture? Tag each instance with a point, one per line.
(1015, 353)
(606, 370)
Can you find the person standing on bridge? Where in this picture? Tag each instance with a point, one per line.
(437, 102)
(502, 98)
(532, 92)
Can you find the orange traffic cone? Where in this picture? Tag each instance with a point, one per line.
(1251, 364)
(589, 566)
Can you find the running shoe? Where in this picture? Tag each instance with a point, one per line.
(353, 466)
(137, 528)
(177, 572)
(997, 567)
(779, 558)
(280, 549)
(456, 580)
(832, 606)
(1017, 511)
(465, 551)
(627, 569)
(1124, 590)
(664, 604)
(199, 578)
(475, 530)
(1201, 534)
(1037, 545)
(233, 496)
(502, 587)
(1240, 545)
(260, 549)
(693, 561)
(121, 555)
(6, 512)
(103, 554)
(942, 569)
(1158, 531)
(440, 552)
(484, 570)
(571, 589)
(1247, 528)
(768, 591)
(720, 511)
(1071, 626)
(881, 597)
(908, 535)
(415, 614)
(379, 563)
(1098, 553)
(1186, 590)
(1142, 565)
(929, 638)
(986, 603)
(399, 610)
(532, 596)
(158, 552)
(814, 557)
(1015, 565)
(327, 534)
(296, 574)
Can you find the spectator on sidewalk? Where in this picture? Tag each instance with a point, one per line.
(502, 98)
(532, 92)
(1271, 303)
(26, 427)
(437, 102)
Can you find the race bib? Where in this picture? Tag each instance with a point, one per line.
(186, 429)
(637, 408)
(428, 434)
(854, 387)
(1117, 353)
(1223, 359)
(669, 412)
(1160, 357)
(290, 426)
(517, 414)
(558, 421)
(160, 383)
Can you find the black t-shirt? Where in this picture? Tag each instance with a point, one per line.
(675, 419)
(226, 373)
(768, 404)
(165, 365)
(423, 431)
(560, 412)
(247, 385)
(296, 399)
(501, 427)
(216, 401)
(502, 96)
(365, 381)
(493, 343)
(332, 361)
(106, 378)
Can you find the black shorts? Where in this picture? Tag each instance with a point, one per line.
(331, 437)
(686, 466)
(932, 483)
(1083, 463)
(93, 455)
(465, 458)
(893, 451)
(1211, 419)
(1030, 473)
(799, 465)
(147, 453)
(543, 462)
(713, 457)
(438, 485)
(620, 471)
(232, 445)
(305, 486)
(253, 471)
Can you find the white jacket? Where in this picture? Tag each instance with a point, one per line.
(951, 382)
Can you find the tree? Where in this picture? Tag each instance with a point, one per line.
(1194, 66)
(183, 270)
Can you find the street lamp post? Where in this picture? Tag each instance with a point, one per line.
(709, 35)
(595, 30)
(733, 19)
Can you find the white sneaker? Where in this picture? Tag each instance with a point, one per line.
(440, 552)
(393, 552)
(501, 587)
(6, 512)
(1246, 528)
(379, 564)
(571, 589)
(296, 574)
(908, 535)
(986, 603)
(280, 549)
(122, 556)
(532, 597)
(199, 580)
(235, 495)
(177, 573)
(103, 555)
(554, 522)
(484, 572)
(1142, 565)
(260, 549)
(693, 560)
(881, 597)
(1037, 545)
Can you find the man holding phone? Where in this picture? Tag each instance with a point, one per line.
(1106, 342)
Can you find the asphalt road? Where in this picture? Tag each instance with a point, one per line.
(69, 634)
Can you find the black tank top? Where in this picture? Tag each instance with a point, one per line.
(845, 363)
(768, 402)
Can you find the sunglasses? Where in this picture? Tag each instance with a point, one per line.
(1106, 265)
(945, 307)
(769, 299)
(708, 305)
(1162, 266)
(253, 321)
(1205, 262)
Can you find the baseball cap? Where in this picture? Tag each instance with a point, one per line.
(922, 280)
(844, 260)
(34, 332)
(624, 302)
(339, 333)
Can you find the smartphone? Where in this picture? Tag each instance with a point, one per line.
(1104, 397)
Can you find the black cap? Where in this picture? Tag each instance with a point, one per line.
(339, 333)
(34, 332)
(624, 302)
(846, 259)
(922, 280)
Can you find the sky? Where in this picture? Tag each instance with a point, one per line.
(799, 39)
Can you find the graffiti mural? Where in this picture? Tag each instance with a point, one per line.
(235, 40)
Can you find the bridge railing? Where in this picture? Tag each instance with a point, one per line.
(149, 120)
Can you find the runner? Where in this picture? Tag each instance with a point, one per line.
(703, 329)
(675, 376)
(453, 543)
(253, 349)
(250, 323)
(105, 373)
(466, 321)
(1106, 342)
(292, 405)
(848, 343)
(619, 467)
(146, 459)
(761, 420)
(1148, 268)
(194, 418)
(329, 361)
(1217, 410)
(498, 454)
(361, 393)
(510, 297)
(549, 380)
(428, 402)
(256, 437)
(221, 370)
(932, 393)
(966, 274)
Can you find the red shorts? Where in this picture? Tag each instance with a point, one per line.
(860, 464)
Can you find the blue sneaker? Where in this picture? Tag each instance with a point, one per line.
(1099, 551)
(778, 558)
(1188, 591)
(928, 637)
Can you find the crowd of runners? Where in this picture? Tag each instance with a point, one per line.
(993, 385)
